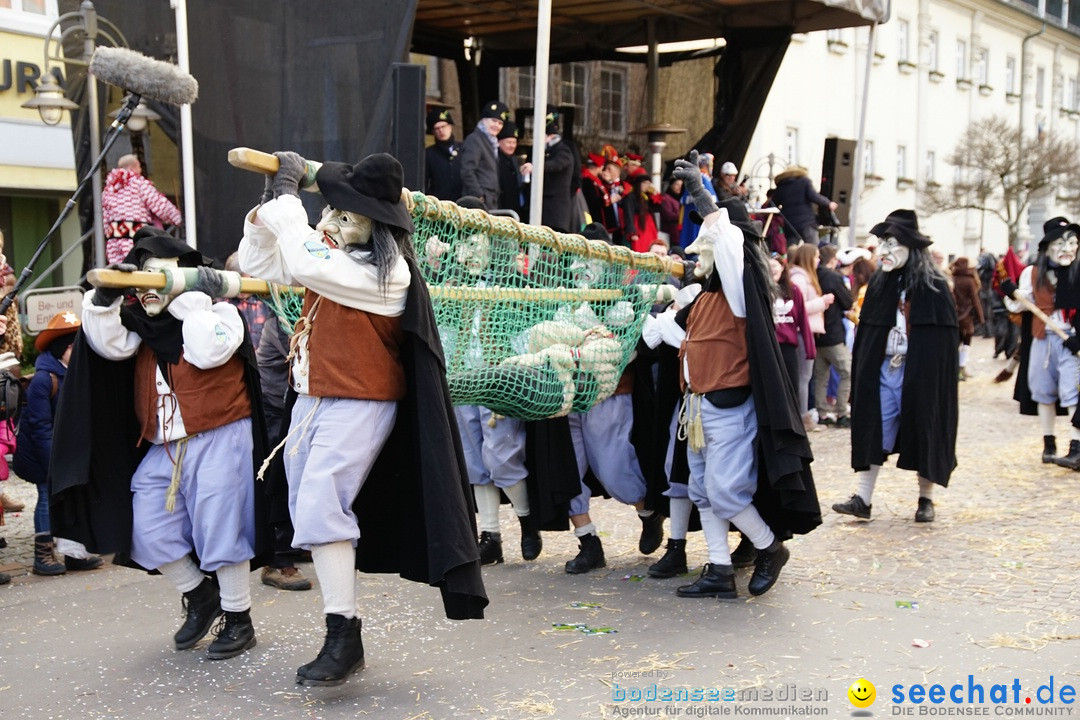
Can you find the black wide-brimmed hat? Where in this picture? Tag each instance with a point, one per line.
(1055, 228)
(904, 226)
(495, 109)
(509, 130)
(437, 115)
(371, 187)
(154, 242)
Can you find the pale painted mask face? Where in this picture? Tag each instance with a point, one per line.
(152, 302)
(341, 228)
(893, 255)
(1062, 251)
(703, 248)
(474, 254)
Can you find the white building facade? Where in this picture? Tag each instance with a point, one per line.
(937, 66)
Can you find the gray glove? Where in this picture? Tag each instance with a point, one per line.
(268, 191)
(688, 172)
(289, 174)
(104, 296)
(209, 281)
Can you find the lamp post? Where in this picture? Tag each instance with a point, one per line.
(656, 135)
(50, 102)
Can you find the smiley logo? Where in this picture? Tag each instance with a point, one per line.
(862, 693)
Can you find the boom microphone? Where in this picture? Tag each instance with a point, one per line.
(141, 75)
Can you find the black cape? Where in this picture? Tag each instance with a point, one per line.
(786, 496)
(96, 450)
(415, 510)
(926, 441)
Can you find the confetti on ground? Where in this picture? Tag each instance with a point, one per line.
(567, 626)
(907, 604)
(585, 605)
(634, 578)
(920, 643)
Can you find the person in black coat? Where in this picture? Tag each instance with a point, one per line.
(832, 349)
(480, 155)
(904, 369)
(441, 159)
(513, 178)
(561, 168)
(795, 196)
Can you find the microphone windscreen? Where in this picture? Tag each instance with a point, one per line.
(144, 76)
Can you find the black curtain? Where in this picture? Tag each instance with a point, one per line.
(313, 77)
(745, 71)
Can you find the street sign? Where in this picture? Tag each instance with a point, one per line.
(40, 305)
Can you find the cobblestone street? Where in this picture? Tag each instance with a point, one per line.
(990, 588)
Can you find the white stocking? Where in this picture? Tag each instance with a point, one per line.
(1047, 417)
(487, 504)
(964, 350)
(749, 521)
(715, 530)
(867, 480)
(519, 498)
(335, 566)
(926, 488)
(183, 573)
(680, 509)
(235, 589)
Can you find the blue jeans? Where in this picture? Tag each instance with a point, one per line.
(41, 510)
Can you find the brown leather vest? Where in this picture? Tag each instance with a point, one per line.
(207, 399)
(1044, 300)
(352, 353)
(715, 346)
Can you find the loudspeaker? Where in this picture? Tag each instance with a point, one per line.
(407, 136)
(838, 175)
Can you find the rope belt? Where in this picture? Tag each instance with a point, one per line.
(178, 465)
(690, 427)
(302, 427)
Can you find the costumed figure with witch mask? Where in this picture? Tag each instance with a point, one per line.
(373, 460)
(1052, 371)
(153, 451)
(904, 369)
(748, 453)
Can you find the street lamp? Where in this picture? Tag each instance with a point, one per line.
(49, 99)
(139, 119)
(656, 135)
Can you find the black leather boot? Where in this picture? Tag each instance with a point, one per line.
(342, 654)
(202, 606)
(716, 581)
(590, 555)
(78, 564)
(1049, 449)
(235, 636)
(490, 548)
(925, 513)
(44, 561)
(1072, 460)
(767, 568)
(531, 542)
(744, 555)
(672, 563)
(652, 533)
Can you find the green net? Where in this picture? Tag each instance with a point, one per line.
(534, 324)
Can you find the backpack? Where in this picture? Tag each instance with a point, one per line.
(12, 396)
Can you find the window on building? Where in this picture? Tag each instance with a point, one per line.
(1010, 75)
(931, 162)
(1069, 101)
(982, 66)
(902, 33)
(901, 161)
(932, 51)
(961, 60)
(868, 157)
(613, 100)
(34, 7)
(574, 86)
(526, 86)
(1040, 86)
(791, 145)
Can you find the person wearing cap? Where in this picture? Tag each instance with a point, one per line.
(690, 230)
(514, 176)
(639, 210)
(727, 187)
(174, 379)
(595, 191)
(1052, 373)
(561, 169)
(748, 453)
(480, 155)
(442, 171)
(796, 197)
(376, 475)
(904, 369)
(35, 442)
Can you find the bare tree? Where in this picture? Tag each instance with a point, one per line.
(1001, 176)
